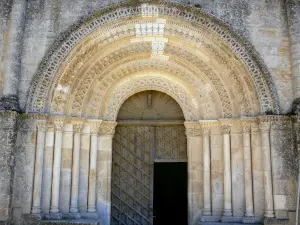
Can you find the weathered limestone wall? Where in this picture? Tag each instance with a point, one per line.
(47, 20)
(293, 15)
(8, 127)
(24, 168)
(5, 15)
(284, 168)
(11, 42)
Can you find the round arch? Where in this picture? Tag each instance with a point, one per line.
(181, 93)
(104, 27)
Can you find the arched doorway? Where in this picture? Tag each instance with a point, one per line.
(149, 162)
(194, 58)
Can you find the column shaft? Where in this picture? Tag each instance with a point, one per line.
(106, 133)
(56, 168)
(248, 171)
(38, 168)
(47, 173)
(227, 171)
(206, 175)
(75, 169)
(66, 169)
(195, 155)
(266, 151)
(92, 174)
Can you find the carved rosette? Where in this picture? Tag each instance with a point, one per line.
(107, 128)
(192, 129)
(95, 125)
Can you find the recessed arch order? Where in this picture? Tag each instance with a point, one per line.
(198, 55)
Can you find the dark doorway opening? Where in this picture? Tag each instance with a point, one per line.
(170, 194)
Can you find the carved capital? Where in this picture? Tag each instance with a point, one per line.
(205, 130)
(107, 128)
(41, 125)
(265, 123)
(225, 129)
(206, 126)
(58, 124)
(192, 129)
(77, 127)
(247, 124)
(95, 125)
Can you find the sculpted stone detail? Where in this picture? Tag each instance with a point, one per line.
(192, 129)
(41, 125)
(77, 127)
(132, 67)
(50, 65)
(225, 129)
(95, 125)
(58, 124)
(107, 128)
(121, 93)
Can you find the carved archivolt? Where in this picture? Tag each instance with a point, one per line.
(75, 65)
(126, 88)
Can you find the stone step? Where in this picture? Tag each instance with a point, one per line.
(219, 223)
(70, 222)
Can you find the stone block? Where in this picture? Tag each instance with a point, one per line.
(210, 218)
(275, 221)
(231, 219)
(251, 219)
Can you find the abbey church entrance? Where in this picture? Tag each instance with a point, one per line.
(149, 171)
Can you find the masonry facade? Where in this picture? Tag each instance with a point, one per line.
(68, 69)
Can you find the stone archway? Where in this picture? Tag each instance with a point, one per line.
(150, 132)
(214, 76)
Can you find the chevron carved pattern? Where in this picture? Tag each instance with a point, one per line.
(170, 142)
(132, 176)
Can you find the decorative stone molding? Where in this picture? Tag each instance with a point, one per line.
(95, 125)
(226, 125)
(107, 128)
(206, 126)
(42, 125)
(58, 124)
(40, 87)
(247, 124)
(180, 93)
(192, 129)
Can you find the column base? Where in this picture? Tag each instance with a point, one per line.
(54, 210)
(74, 209)
(206, 212)
(269, 214)
(36, 210)
(227, 212)
(210, 218)
(249, 214)
(91, 209)
(231, 219)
